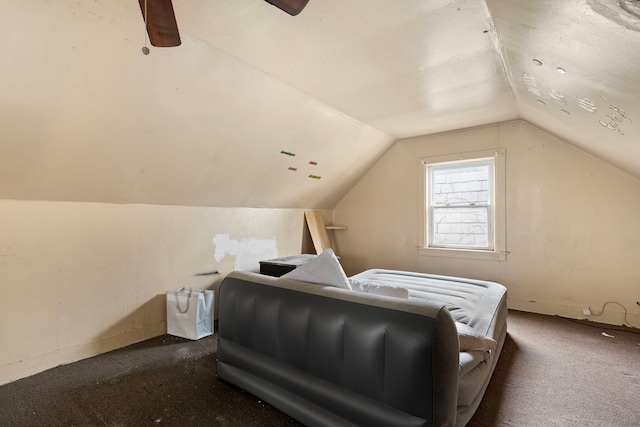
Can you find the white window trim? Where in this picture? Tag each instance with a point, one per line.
(499, 252)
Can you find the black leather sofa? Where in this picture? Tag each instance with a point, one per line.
(329, 356)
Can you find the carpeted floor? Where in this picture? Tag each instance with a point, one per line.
(552, 372)
(560, 372)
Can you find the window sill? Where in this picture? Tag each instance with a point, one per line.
(464, 253)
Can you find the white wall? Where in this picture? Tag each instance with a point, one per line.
(79, 279)
(573, 222)
(86, 117)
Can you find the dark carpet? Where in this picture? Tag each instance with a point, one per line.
(552, 372)
(561, 372)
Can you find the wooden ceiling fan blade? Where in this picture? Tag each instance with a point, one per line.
(161, 22)
(292, 7)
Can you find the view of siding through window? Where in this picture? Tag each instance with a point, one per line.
(460, 205)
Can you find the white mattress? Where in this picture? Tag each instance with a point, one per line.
(472, 302)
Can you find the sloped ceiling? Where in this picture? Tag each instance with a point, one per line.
(257, 108)
(595, 102)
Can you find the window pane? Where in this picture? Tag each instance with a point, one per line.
(461, 198)
(461, 227)
(460, 185)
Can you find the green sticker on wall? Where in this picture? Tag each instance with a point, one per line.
(315, 176)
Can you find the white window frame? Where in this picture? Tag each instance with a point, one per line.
(498, 226)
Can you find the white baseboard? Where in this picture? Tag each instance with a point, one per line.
(612, 315)
(13, 371)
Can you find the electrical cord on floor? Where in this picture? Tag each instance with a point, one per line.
(626, 322)
(603, 326)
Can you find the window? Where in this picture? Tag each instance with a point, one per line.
(463, 205)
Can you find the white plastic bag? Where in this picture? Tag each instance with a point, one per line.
(190, 313)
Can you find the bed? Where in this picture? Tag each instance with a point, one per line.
(354, 351)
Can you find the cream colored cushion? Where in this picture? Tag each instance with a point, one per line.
(379, 288)
(325, 269)
(470, 339)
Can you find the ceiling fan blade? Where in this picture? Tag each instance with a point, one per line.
(292, 7)
(161, 22)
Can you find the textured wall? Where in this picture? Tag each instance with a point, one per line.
(573, 222)
(79, 279)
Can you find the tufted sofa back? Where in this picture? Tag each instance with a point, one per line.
(364, 359)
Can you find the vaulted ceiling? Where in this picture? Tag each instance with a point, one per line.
(258, 108)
